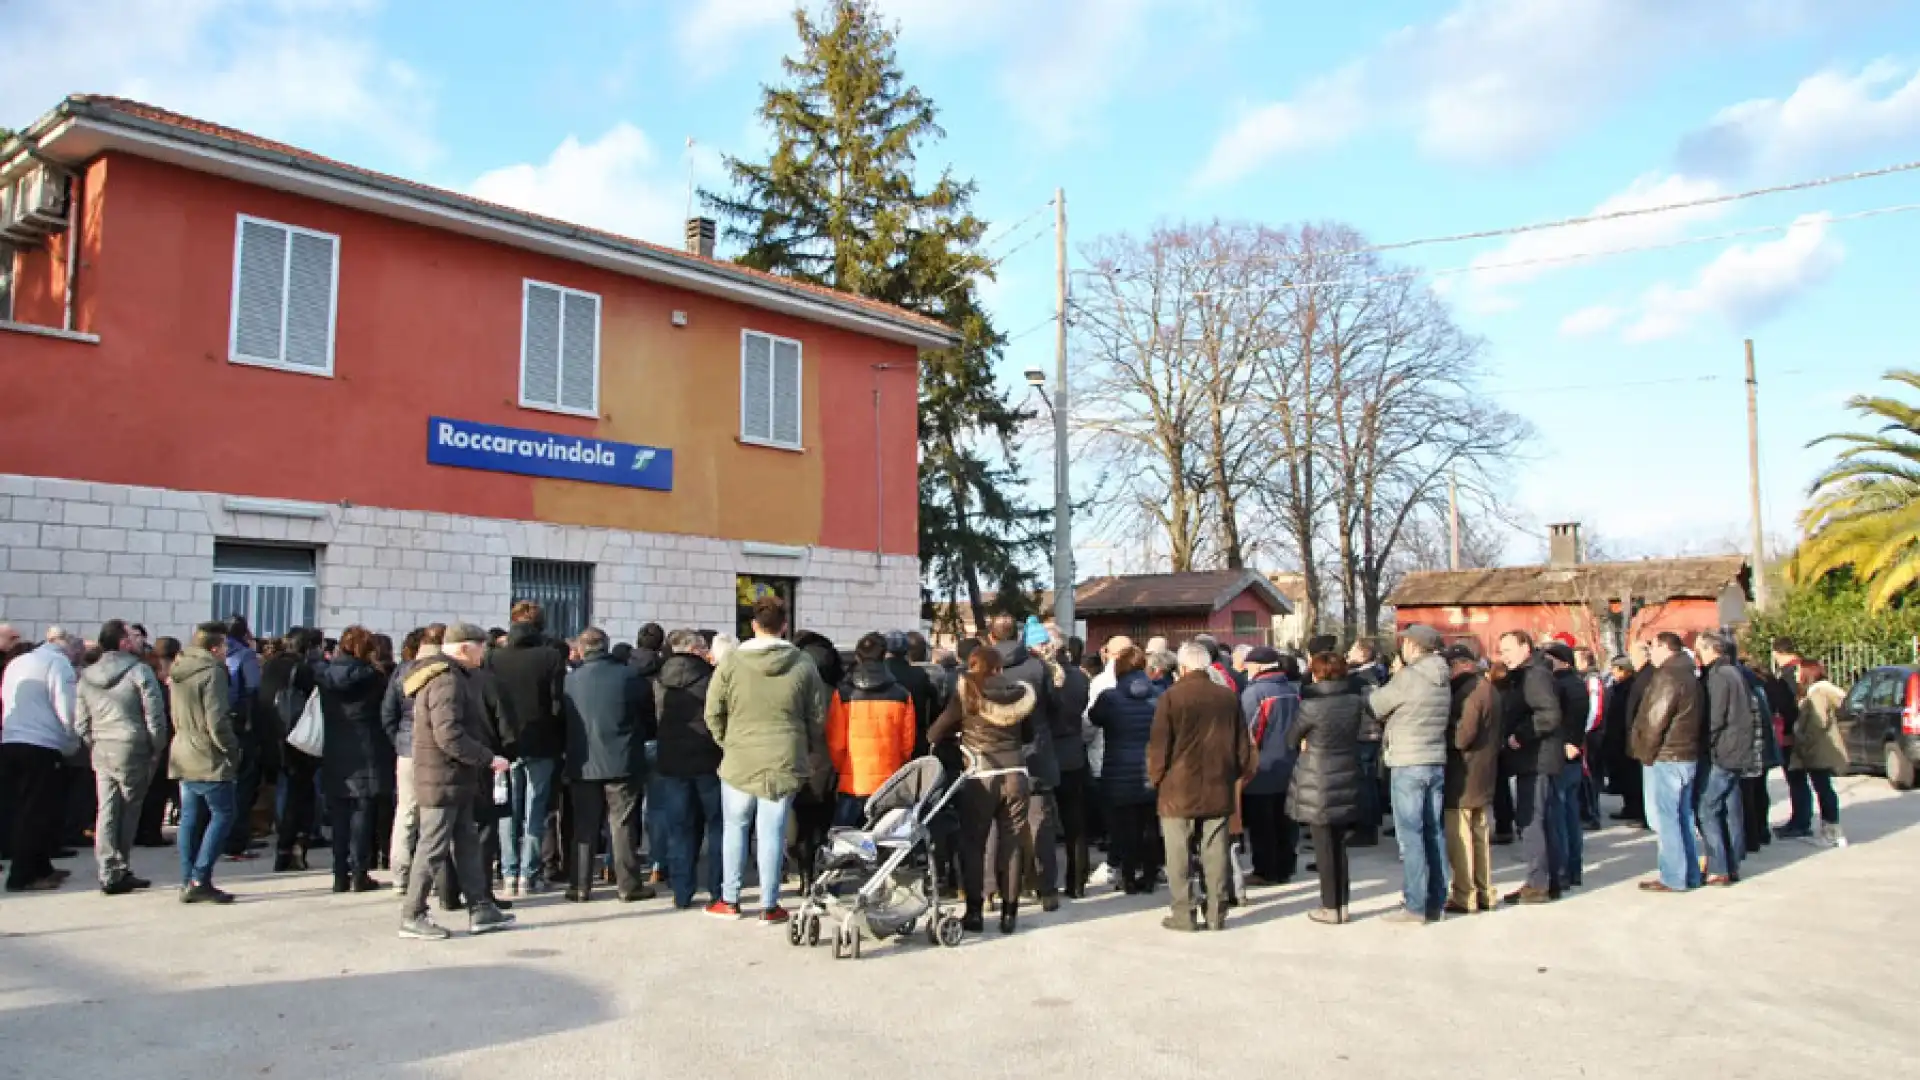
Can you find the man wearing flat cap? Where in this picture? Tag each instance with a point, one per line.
(1270, 704)
(1414, 706)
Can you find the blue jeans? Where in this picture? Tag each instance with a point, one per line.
(208, 803)
(1416, 792)
(659, 837)
(1568, 788)
(1669, 789)
(1722, 827)
(850, 811)
(677, 801)
(530, 789)
(768, 819)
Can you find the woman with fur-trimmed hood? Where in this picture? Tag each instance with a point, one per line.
(992, 716)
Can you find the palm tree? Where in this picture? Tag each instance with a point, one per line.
(1866, 507)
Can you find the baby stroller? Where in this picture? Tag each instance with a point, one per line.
(881, 881)
(1236, 874)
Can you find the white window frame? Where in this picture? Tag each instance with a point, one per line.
(233, 299)
(799, 392)
(560, 349)
(6, 279)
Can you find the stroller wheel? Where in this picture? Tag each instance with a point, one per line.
(933, 928)
(813, 929)
(796, 932)
(950, 930)
(846, 943)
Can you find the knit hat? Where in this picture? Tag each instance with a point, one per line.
(1035, 634)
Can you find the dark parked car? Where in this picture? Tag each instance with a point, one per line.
(1880, 723)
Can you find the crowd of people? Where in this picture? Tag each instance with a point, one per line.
(482, 766)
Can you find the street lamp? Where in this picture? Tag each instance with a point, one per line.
(1063, 615)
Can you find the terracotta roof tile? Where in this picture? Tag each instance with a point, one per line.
(157, 115)
(1202, 590)
(1649, 579)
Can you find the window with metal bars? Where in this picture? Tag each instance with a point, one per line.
(273, 587)
(285, 292)
(563, 590)
(559, 349)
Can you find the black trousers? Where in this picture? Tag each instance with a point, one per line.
(79, 801)
(1072, 797)
(994, 803)
(1271, 834)
(353, 822)
(1503, 804)
(246, 792)
(1330, 855)
(812, 818)
(37, 777)
(153, 809)
(296, 826)
(1754, 805)
(1135, 850)
(615, 804)
(1633, 801)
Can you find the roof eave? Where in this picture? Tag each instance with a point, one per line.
(79, 130)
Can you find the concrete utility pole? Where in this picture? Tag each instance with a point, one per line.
(1753, 484)
(1062, 504)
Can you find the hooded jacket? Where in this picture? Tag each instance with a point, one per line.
(1270, 704)
(530, 674)
(1325, 789)
(1473, 743)
(396, 708)
(647, 662)
(871, 731)
(356, 758)
(1530, 715)
(680, 707)
(120, 713)
(1667, 725)
(1199, 749)
(997, 728)
(1413, 708)
(921, 693)
(766, 710)
(205, 748)
(1124, 716)
(1019, 664)
(609, 719)
(1730, 719)
(1817, 743)
(450, 751)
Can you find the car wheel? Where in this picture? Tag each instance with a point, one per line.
(1900, 771)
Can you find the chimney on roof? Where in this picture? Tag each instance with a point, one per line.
(1563, 544)
(700, 232)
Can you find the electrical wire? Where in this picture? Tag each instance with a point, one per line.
(1532, 391)
(1031, 239)
(1581, 256)
(1018, 225)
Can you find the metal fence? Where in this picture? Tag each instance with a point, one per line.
(1846, 661)
(563, 590)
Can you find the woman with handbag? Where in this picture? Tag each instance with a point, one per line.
(357, 760)
(286, 682)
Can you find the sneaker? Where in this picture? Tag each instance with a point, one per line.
(487, 919)
(119, 886)
(723, 910)
(643, 892)
(1833, 836)
(204, 894)
(1182, 926)
(1404, 916)
(423, 928)
(774, 916)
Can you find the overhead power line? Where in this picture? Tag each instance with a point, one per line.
(1018, 225)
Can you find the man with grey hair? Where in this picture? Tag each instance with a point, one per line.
(451, 758)
(1197, 752)
(120, 715)
(36, 697)
(1730, 753)
(686, 781)
(609, 717)
(1413, 706)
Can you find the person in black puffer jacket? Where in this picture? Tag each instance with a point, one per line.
(530, 675)
(686, 780)
(1124, 716)
(992, 716)
(286, 681)
(357, 763)
(1324, 794)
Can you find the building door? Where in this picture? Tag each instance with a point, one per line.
(750, 588)
(272, 587)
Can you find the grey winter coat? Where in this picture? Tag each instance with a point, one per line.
(120, 713)
(1413, 706)
(1730, 740)
(1325, 789)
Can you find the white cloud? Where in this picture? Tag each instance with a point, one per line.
(1829, 121)
(619, 182)
(1589, 321)
(306, 71)
(1745, 284)
(1505, 80)
(1320, 117)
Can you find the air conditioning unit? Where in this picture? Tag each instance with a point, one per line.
(42, 198)
(12, 227)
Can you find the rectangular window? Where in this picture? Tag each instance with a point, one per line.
(1246, 623)
(769, 390)
(274, 587)
(559, 349)
(285, 292)
(749, 588)
(563, 590)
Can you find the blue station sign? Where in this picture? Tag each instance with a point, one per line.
(465, 444)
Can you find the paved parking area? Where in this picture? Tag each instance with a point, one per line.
(1806, 969)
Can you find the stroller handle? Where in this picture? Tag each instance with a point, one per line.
(970, 761)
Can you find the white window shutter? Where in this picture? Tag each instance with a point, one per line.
(540, 347)
(786, 393)
(259, 295)
(756, 387)
(580, 351)
(310, 281)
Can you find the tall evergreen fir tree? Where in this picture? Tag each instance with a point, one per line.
(837, 204)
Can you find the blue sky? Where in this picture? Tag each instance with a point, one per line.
(1407, 119)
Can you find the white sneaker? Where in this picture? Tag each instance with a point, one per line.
(1832, 836)
(1102, 875)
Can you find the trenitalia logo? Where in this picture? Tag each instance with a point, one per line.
(470, 445)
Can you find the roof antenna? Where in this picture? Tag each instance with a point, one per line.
(689, 178)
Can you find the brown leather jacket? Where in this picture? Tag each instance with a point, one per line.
(1667, 726)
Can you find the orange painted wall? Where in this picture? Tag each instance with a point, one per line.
(429, 324)
(1483, 626)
